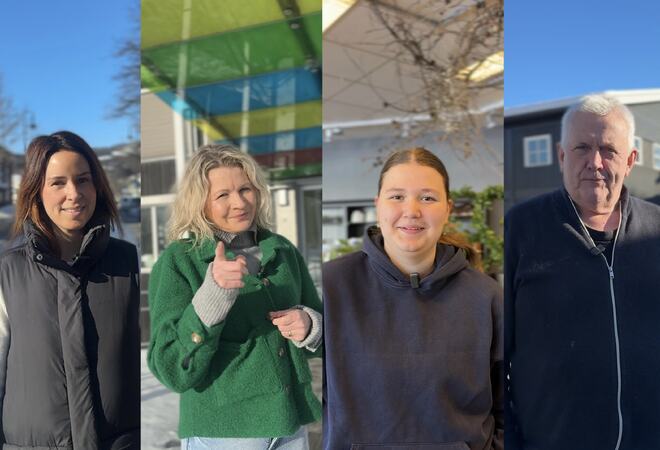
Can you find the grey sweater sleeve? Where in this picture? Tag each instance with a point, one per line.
(212, 302)
(313, 340)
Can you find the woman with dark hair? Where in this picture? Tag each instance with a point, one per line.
(413, 330)
(69, 299)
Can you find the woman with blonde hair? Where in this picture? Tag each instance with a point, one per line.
(413, 331)
(234, 312)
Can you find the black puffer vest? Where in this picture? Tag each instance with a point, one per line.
(73, 366)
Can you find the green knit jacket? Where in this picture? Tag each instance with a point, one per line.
(239, 378)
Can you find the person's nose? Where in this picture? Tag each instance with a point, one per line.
(595, 160)
(237, 201)
(73, 191)
(411, 208)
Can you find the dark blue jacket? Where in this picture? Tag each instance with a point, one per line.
(411, 368)
(583, 344)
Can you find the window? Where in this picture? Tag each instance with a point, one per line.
(656, 156)
(538, 150)
(158, 176)
(639, 145)
(153, 228)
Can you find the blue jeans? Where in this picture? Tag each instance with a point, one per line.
(297, 441)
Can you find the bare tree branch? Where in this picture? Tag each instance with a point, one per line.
(127, 99)
(447, 43)
(10, 118)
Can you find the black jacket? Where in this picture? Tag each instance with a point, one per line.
(411, 368)
(569, 332)
(73, 363)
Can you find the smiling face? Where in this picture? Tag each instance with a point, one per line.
(231, 203)
(68, 194)
(412, 210)
(596, 160)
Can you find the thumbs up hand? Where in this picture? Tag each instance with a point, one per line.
(228, 274)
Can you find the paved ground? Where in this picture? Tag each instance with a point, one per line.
(160, 411)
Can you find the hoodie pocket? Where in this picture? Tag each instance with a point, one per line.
(415, 446)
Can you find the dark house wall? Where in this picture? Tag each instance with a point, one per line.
(521, 183)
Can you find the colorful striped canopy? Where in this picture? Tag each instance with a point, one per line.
(245, 72)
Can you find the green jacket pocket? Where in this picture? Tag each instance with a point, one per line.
(241, 371)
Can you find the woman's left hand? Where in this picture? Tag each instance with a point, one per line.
(294, 323)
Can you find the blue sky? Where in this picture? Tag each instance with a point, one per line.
(56, 59)
(562, 48)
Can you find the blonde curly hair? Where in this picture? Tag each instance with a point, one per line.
(188, 211)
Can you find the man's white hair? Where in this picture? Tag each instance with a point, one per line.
(600, 105)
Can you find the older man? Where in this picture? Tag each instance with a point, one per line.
(582, 297)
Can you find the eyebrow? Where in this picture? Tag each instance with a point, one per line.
(604, 145)
(435, 191)
(62, 177)
(246, 184)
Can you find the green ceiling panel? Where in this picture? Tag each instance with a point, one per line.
(162, 20)
(265, 121)
(238, 54)
(313, 24)
(150, 81)
(309, 6)
(306, 170)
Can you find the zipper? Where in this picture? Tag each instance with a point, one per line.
(610, 271)
(610, 268)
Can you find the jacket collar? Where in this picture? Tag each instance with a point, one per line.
(571, 221)
(238, 240)
(268, 242)
(93, 245)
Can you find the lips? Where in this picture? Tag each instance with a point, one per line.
(593, 176)
(73, 210)
(411, 229)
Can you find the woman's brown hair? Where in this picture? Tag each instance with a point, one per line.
(28, 204)
(424, 157)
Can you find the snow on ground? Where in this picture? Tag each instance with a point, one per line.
(160, 412)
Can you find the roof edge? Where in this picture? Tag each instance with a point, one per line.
(627, 97)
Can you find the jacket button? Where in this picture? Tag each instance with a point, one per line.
(196, 338)
(281, 352)
(40, 256)
(266, 282)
